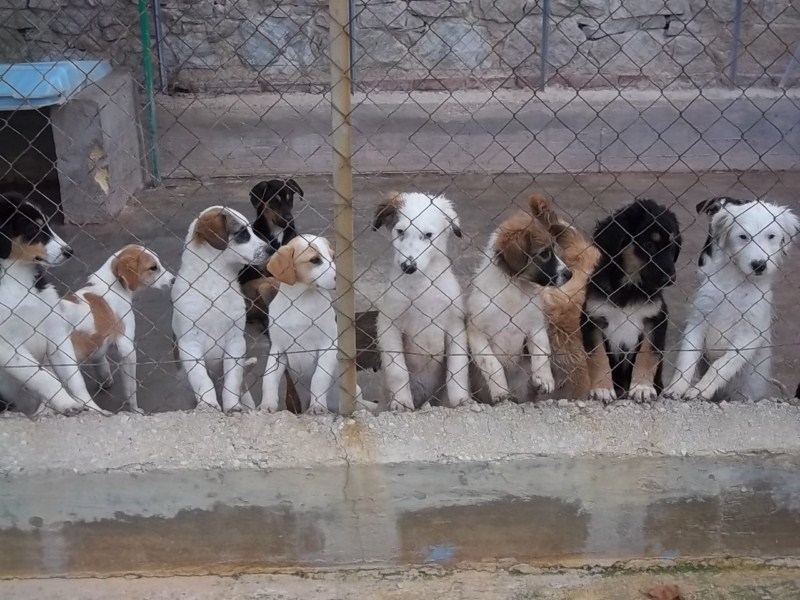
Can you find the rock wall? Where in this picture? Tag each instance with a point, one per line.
(228, 45)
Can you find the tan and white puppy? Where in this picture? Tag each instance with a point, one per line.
(103, 313)
(208, 317)
(421, 323)
(302, 326)
(507, 326)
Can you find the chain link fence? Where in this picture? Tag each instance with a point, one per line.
(425, 179)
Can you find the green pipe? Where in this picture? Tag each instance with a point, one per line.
(147, 65)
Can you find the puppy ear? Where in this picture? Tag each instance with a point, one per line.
(456, 226)
(713, 205)
(512, 250)
(386, 213)
(126, 269)
(447, 208)
(610, 236)
(678, 241)
(542, 209)
(212, 228)
(790, 224)
(9, 205)
(257, 195)
(281, 265)
(721, 226)
(292, 184)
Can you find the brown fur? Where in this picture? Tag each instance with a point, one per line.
(645, 365)
(386, 213)
(25, 252)
(258, 294)
(562, 306)
(131, 265)
(107, 328)
(292, 262)
(212, 229)
(519, 238)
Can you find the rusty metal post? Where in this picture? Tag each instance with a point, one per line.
(343, 200)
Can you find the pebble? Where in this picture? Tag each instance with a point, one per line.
(563, 403)
(581, 404)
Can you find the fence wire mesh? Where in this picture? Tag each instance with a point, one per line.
(556, 199)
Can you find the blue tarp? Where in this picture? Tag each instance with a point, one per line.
(36, 85)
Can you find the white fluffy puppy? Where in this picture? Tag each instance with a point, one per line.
(208, 317)
(421, 324)
(730, 323)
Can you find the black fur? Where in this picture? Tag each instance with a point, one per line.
(712, 207)
(274, 202)
(21, 219)
(639, 245)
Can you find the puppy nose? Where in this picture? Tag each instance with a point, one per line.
(759, 266)
(68, 252)
(566, 274)
(408, 267)
(172, 281)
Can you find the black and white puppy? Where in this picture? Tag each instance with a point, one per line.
(624, 320)
(37, 358)
(273, 201)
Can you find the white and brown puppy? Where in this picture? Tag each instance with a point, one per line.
(303, 326)
(421, 323)
(37, 359)
(103, 313)
(208, 317)
(506, 318)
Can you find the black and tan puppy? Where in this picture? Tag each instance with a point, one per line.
(273, 201)
(624, 320)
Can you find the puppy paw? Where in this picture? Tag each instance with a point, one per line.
(694, 393)
(396, 406)
(317, 408)
(544, 385)
(604, 395)
(642, 393)
(136, 410)
(205, 407)
(460, 401)
(675, 390)
(500, 398)
(269, 406)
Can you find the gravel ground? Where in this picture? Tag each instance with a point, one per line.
(204, 440)
(517, 583)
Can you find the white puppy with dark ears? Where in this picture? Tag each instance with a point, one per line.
(104, 317)
(421, 324)
(208, 317)
(730, 323)
(302, 326)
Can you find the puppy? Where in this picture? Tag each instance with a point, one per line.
(563, 307)
(624, 320)
(273, 201)
(208, 308)
(506, 325)
(421, 323)
(303, 325)
(34, 329)
(730, 323)
(103, 313)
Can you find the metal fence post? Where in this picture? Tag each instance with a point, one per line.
(147, 67)
(545, 41)
(737, 34)
(343, 201)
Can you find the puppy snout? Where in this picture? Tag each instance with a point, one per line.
(408, 266)
(67, 252)
(172, 281)
(566, 275)
(759, 266)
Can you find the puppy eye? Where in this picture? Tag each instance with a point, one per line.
(400, 231)
(316, 260)
(154, 268)
(742, 236)
(546, 254)
(771, 236)
(429, 235)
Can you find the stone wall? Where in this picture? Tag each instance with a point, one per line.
(228, 45)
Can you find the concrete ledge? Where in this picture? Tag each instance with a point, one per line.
(203, 493)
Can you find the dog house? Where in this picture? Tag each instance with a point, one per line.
(70, 137)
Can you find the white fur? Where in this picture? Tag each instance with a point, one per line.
(208, 316)
(34, 335)
(421, 322)
(303, 335)
(503, 314)
(731, 316)
(105, 284)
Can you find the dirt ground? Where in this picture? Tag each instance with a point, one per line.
(518, 583)
(161, 216)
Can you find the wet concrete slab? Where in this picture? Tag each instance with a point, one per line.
(543, 511)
